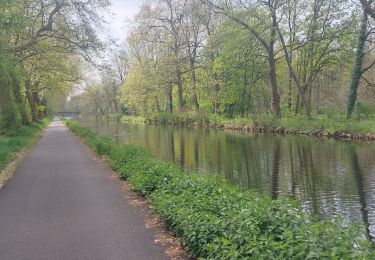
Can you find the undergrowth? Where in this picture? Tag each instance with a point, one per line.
(15, 140)
(328, 121)
(217, 221)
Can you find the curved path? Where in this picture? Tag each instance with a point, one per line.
(62, 204)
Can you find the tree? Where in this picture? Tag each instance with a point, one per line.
(151, 72)
(366, 5)
(240, 70)
(195, 34)
(113, 77)
(166, 19)
(11, 20)
(250, 15)
(218, 55)
(326, 27)
(358, 71)
(48, 70)
(67, 26)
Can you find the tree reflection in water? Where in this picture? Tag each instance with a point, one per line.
(327, 176)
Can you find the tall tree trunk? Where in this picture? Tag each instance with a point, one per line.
(244, 95)
(30, 99)
(7, 107)
(272, 68)
(292, 17)
(357, 71)
(116, 106)
(309, 98)
(298, 105)
(301, 90)
(273, 80)
(318, 96)
(169, 99)
(194, 98)
(216, 104)
(17, 90)
(216, 84)
(290, 93)
(157, 105)
(40, 113)
(180, 89)
(290, 74)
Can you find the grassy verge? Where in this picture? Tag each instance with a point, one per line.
(16, 140)
(330, 125)
(217, 221)
(133, 119)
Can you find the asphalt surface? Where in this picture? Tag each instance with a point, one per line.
(62, 204)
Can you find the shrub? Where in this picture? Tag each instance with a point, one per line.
(328, 120)
(16, 139)
(104, 145)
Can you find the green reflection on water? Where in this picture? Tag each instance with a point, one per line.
(329, 177)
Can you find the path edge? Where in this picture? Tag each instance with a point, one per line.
(7, 173)
(153, 222)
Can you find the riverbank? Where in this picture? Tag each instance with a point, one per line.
(216, 220)
(319, 126)
(64, 203)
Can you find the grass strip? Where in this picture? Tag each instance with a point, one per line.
(217, 221)
(330, 125)
(17, 139)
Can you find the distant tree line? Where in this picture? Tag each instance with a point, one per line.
(242, 57)
(42, 44)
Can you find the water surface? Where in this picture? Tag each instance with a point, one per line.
(329, 177)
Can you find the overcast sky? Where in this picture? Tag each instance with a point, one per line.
(122, 12)
(116, 27)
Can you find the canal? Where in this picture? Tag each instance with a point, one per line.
(329, 177)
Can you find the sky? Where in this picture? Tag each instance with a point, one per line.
(122, 12)
(116, 27)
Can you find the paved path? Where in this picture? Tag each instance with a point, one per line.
(62, 204)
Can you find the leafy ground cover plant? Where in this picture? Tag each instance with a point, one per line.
(217, 221)
(16, 139)
(363, 124)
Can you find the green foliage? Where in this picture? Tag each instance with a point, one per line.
(8, 70)
(364, 111)
(217, 221)
(117, 158)
(104, 145)
(192, 118)
(240, 69)
(38, 55)
(16, 139)
(357, 70)
(11, 22)
(330, 121)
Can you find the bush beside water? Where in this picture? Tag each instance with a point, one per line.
(329, 122)
(15, 140)
(217, 221)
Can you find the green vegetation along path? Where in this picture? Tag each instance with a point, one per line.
(62, 204)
